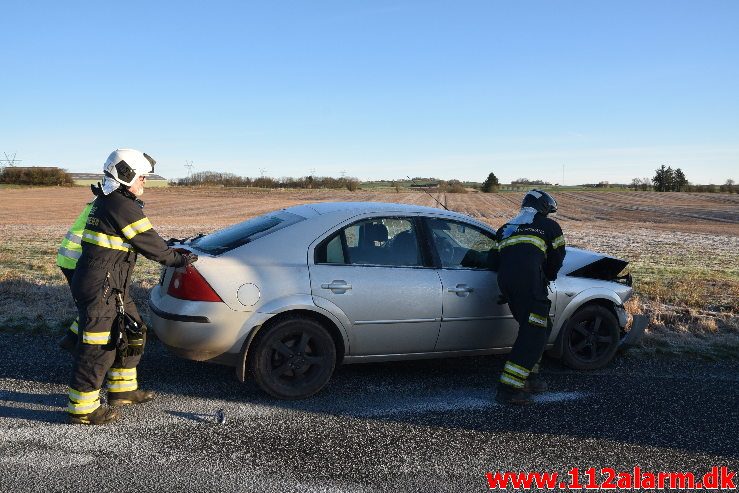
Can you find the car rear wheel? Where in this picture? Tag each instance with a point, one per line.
(293, 359)
(590, 338)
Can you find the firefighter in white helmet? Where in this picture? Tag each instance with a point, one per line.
(111, 332)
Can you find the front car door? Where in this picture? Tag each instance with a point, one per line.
(471, 315)
(375, 272)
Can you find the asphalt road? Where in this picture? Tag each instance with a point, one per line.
(413, 426)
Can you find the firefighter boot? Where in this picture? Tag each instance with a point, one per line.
(68, 342)
(99, 416)
(509, 395)
(130, 397)
(535, 384)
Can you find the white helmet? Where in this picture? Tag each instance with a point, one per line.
(124, 166)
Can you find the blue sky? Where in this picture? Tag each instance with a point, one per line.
(377, 89)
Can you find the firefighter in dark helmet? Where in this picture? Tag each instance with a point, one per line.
(111, 333)
(531, 249)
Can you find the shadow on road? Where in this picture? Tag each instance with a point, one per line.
(19, 405)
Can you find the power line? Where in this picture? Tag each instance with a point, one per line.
(11, 160)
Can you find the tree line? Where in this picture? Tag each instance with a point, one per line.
(216, 178)
(666, 179)
(43, 176)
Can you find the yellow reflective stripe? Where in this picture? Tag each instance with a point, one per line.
(74, 408)
(137, 227)
(509, 380)
(537, 319)
(78, 396)
(75, 327)
(559, 241)
(516, 369)
(105, 241)
(122, 386)
(95, 337)
(532, 240)
(122, 374)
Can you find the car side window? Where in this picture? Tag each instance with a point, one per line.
(377, 241)
(462, 246)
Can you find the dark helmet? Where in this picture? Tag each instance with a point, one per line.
(541, 201)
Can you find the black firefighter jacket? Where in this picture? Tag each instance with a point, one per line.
(116, 230)
(530, 254)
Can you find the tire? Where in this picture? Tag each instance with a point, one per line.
(590, 338)
(293, 359)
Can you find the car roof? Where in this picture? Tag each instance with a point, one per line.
(353, 208)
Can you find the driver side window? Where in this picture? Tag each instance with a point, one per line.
(461, 246)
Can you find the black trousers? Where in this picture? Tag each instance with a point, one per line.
(527, 295)
(95, 356)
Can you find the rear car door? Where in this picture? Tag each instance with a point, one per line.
(375, 272)
(471, 315)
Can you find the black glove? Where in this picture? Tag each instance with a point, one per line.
(189, 258)
(173, 241)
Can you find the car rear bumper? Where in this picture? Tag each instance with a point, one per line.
(201, 331)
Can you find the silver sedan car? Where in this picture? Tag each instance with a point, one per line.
(289, 295)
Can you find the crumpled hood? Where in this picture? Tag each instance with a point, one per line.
(586, 263)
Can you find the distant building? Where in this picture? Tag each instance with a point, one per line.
(92, 178)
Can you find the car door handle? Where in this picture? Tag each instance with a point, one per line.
(461, 290)
(336, 286)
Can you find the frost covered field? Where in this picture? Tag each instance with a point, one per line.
(683, 248)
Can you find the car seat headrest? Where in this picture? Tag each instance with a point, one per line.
(375, 232)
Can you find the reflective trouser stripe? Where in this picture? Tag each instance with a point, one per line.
(83, 402)
(75, 327)
(537, 320)
(515, 369)
(137, 227)
(121, 373)
(122, 379)
(95, 337)
(511, 380)
(122, 386)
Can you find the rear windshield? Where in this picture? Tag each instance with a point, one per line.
(242, 233)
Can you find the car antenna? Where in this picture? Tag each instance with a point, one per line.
(427, 193)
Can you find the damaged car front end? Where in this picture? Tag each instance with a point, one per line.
(592, 323)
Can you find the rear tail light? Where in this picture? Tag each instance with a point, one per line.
(190, 285)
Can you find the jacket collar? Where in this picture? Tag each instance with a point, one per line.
(123, 191)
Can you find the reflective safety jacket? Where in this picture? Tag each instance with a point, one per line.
(115, 231)
(538, 247)
(116, 227)
(70, 249)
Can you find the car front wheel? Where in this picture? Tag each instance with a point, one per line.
(590, 338)
(293, 359)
